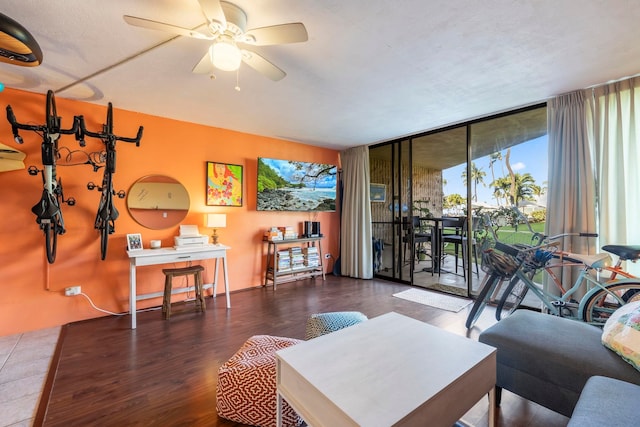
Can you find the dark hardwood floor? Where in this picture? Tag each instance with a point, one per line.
(164, 373)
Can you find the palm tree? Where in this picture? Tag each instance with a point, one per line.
(525, 188)
(501, 189)
(493, 158)
(477, 177)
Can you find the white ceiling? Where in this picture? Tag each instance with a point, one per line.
(372, 70)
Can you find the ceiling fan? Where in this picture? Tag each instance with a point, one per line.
(226, 27)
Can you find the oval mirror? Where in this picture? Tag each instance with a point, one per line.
(158, 202)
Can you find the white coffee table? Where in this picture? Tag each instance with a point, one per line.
(391, 370)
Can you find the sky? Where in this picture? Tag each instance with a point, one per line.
(529, 157)
(287, 170)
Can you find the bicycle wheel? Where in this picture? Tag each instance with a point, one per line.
(104, 238)
(598, 305)
(512, 297)
(105, 216)
(50, 240)
(490, 283)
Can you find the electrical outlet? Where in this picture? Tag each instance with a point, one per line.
(72, 290)
(327, 256)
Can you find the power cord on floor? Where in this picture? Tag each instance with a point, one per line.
(100, 309)
(140, 310)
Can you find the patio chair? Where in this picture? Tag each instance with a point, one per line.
(414, 237)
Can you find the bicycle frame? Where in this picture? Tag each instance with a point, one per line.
(566, 261)
(556, 305)
(602, 296)
(107, 212)
(47, 210)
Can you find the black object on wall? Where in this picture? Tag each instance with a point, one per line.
(311, 229)
(17, 45)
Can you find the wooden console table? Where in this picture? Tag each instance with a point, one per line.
(271, 271)
(139, 258)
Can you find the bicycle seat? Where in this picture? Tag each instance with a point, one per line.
(597, 261)
(112, 213)
(44, 209)
(625, 252)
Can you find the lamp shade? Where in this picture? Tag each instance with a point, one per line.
(225, 55)
(216, 220)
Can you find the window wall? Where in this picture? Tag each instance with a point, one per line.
(425, 177)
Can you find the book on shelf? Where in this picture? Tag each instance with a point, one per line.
(273, 235)
(288, 232)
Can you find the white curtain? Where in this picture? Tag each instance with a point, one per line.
(571, 195)
(356, 248)
(616, 138)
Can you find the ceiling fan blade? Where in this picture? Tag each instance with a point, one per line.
(277, 34)
(212, 10)
(161, 26)
(262, 66)
(205, 66)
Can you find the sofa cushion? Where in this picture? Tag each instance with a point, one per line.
(621, 333)
(606, 402)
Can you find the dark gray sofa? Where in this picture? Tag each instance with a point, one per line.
(548, 359)
(606, 402)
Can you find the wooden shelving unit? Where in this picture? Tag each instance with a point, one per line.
(275, 276)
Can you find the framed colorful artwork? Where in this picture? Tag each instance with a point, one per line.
(224, 184)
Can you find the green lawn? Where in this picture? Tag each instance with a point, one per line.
(509, 235)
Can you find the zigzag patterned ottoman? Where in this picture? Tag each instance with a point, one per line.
(246, 391)
(324, 323)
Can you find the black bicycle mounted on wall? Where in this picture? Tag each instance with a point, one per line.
(107, 212)
(47, 210)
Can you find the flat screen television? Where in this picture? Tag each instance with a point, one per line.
(288, 185)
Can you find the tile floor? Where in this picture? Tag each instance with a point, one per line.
(24, 364)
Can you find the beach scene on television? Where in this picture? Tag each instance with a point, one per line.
(287, 185)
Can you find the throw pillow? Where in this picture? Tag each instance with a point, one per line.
(621, 333)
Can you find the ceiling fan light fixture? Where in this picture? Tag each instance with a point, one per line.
(225, 55)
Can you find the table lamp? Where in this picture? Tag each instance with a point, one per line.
(216, 221)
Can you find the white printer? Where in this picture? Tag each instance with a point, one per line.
(190, 237)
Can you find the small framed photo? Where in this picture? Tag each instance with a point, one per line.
(377, 192)
(134, 242)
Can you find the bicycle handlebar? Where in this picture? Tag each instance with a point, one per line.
(15, 126)
(543, 239)
(588, 234)
(105, 135)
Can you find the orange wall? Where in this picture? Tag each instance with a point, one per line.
(32, 290)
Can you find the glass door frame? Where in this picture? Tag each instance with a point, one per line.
(396, 190)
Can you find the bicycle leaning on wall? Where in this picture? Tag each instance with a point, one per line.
(47, 210)
(107, 212)
(606, 291)
(601, 299)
